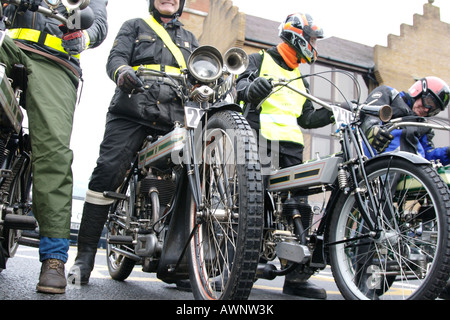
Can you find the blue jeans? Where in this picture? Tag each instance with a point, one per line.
(53, 248)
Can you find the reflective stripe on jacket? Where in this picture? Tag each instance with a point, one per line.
(38, 37)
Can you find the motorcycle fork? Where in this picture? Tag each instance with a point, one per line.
(370, 216)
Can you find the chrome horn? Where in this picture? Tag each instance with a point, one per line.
(236, 60)
(76, 4)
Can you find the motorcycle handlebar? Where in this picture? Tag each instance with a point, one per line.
(44, 11)
(79, 18)
(384, 112)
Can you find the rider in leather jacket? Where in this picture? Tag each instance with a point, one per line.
(134, 113)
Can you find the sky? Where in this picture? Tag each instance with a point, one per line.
(366, 22)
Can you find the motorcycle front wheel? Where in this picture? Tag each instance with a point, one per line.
(227, 231)
(408, 256)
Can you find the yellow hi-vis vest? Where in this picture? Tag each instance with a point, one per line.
(162, 33)
(165, 37)
(279, 113)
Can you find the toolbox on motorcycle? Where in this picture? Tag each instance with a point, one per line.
(162, 150)
(314, 172)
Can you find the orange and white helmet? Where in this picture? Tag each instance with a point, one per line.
(434, 93)
(300, 32)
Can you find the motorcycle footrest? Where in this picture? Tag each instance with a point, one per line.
(121, 240)
(29, 242)
(19, 222)
(114, 195)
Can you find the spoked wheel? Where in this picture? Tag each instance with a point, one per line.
(19, 198)
(408, 256)
(119, 265)
(224, 250)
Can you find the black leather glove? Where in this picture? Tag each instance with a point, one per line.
(379, 138)
(128, 81)
(258, 89)
(31, 5)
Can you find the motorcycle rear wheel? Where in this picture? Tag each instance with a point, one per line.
(224, 250)
(408, 258)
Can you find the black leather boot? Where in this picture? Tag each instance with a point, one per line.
(297, 283)
(92, 222)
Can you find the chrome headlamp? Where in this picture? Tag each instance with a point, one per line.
(52, 3)
(69, 4)
(206, 64)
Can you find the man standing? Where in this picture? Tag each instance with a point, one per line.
(51, 58)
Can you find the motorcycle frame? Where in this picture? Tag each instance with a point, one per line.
(173, 264)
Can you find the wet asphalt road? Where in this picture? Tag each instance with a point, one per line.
(18, 282)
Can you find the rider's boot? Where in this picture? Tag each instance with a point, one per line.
(92, 222)
(297, 283)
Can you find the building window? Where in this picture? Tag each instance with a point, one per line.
(321, 82)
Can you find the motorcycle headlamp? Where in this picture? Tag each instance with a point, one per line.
(206, 64)
(52, 3)
(69, 4)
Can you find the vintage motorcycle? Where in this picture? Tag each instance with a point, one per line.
(383, 225)
(191, 206)
(17, 224)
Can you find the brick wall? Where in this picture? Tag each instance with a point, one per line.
(421, 50)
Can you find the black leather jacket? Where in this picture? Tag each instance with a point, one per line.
(137, 44)
(37, 21)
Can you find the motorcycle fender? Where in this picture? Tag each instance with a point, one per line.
(174, 243)
(411, 157)
(224, 105)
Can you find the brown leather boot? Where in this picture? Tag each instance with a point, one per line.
(52, 278)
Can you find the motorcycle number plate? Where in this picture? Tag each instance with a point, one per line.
(193, 116)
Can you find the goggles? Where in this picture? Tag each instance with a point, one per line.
(429, 102)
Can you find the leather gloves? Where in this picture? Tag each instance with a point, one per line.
(379, 138)
(258, 89)
(74, 42)
(128, 81)
(31, 5)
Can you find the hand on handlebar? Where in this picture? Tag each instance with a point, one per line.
(379, 138)
(74, 42)
(128, 81)
(31, 5)
(258, 89)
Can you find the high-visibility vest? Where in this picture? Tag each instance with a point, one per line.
(279, 113)
(38, 37)
(165, 37)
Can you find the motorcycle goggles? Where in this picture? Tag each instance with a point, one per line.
(303, 47)
(431, 103)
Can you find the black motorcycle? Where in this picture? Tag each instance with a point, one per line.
(382, 226)
(191, 206)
